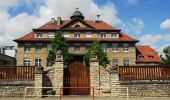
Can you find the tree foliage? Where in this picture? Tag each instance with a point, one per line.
(166, 58)
(59, 43)
(96, 48)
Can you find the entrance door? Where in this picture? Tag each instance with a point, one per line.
(76, 77)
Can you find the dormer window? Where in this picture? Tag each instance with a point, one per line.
(102, 35)
(150, 55)
(77, 34)
(39, 35)
(115, 35)
(50, 34)
(88, 35)
(140, 56)
(66, 35)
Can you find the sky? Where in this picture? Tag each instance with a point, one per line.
(145, 20)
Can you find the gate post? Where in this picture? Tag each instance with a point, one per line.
(94, 74)
(38, 80)
(59, 70)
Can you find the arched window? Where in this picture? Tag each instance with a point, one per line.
(77, 26)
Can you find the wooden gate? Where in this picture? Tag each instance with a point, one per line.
(76, 75)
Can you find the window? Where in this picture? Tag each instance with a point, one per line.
(77, 26)
(102, 35)
(77, 48)
(115, 62)
(87, 47)
(77, 34)
(126, 61)
(115, 35)
(38, 48)
(50, 34)
(26, 62)
(49, 47)
(27, 48)
(66, 35)
(104, 47)
(125, 47)
(37, 62)
(88, 35)
(38, 35)
(114, 47)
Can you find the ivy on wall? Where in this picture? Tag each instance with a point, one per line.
(102, 56)
(58, 43)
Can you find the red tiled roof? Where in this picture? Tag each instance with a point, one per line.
(97, 25)
(147, 54)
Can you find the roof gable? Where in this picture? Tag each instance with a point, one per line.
(147, 54)
(77, 21)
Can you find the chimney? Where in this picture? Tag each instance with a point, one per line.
(58, 21)
(52, 20)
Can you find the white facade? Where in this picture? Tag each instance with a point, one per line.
(8, 50)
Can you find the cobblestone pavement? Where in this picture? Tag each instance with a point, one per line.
(85, 98)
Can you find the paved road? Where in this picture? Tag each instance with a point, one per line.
(85, 98)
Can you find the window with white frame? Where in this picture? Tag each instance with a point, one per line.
(126, 61)
(115, 35)
(27, 49)
(38, 48)
(115, 62)
(88, 35)
(103, 35)
(39, 35)
(104, 47)
(77, 47)
(50, 34)
(125, 47)
(77, 34)
(115, 47)
(27, 62)
(38, 62)
(66, 35)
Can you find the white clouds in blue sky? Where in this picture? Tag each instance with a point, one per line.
(134, 26)
(22, 21)
(165, 24)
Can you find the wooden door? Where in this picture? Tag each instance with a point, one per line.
(76, 78)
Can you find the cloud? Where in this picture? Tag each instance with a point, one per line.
(135, 26)
(13, 27)
(155, 41)
(165, 24)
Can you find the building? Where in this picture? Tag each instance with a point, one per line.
(80, 33)
(7, 55)
(8, 50)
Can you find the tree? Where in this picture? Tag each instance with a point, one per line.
(59, 43)
(102, 56)
(166, 58)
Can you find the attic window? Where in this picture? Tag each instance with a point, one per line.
(77, 26)
(140, 56)
(115, 35)
(150, 55)
(39, 35)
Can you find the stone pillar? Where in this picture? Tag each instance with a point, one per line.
(114, 83)
(38, 80)
(58, 74)
(94, 74)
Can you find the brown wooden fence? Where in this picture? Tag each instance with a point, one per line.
(17, 73)
(144, 72)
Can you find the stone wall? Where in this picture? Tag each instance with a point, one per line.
(14, 88)
(111, 86)
(147, 88)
